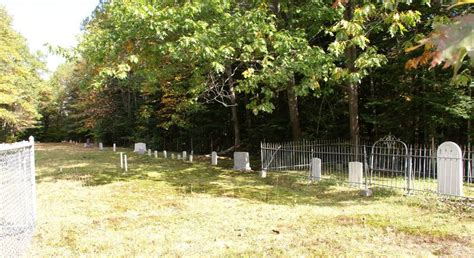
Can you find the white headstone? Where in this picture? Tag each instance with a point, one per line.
(165, 155)
(263, 173)
(85, 145)
(121, 159)
(191, 158)
(172, 156)
(101, 146)
(356, 170)
(149, 152)
(214, 158)
(179, 156)
(449, 166)
(184, 155)
(242, 161)
(156, 154)
(315, 169)
(140, 147)
(114, 147)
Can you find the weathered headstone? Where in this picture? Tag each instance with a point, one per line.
(184, 155)
(315, 169)
(242, 161)
(101, 146)
(172, 156)
(214, 158)
(140, 147)
(165, 155)
(179, 156)
(356, 170)
(191, 158)
(149, 152)
(263, 173)
(85, 145)
(114, 147)
(449, 166)
(156, 154)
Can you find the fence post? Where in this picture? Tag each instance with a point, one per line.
(121, 160)
(125, 162)
(410, 150)
(33, 174)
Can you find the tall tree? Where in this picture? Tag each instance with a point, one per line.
(20, 82)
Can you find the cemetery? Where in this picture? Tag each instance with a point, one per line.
(236, 128)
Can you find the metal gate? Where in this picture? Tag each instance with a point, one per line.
(390, 164)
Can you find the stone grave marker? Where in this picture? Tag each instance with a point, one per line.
(140, 148)
(242, 161)
(449, 166)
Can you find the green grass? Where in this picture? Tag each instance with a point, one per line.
(88, 206)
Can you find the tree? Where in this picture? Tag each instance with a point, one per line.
(20, 82)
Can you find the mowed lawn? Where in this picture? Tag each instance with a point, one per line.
(88, 206)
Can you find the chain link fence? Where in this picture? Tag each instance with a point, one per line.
(17, 197)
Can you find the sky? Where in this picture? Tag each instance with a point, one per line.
(57, 22)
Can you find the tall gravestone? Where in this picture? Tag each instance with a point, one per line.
(184, 155)
(242, 161)
(140, 148)
(449, 166)
(165, 155)
(315, 169)
(356, 172)
(101, 146)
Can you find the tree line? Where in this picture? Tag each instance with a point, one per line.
(224, 75)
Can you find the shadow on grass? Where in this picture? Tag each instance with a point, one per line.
(95, 168)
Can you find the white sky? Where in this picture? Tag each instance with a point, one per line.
(56, 22)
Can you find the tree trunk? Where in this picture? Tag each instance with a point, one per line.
(352, 88)
(293, 110)
(235, 118)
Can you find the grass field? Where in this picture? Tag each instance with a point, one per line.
(88, 206)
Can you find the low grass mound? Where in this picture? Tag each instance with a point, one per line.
(88, 206)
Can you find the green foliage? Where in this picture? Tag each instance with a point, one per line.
(21, 88)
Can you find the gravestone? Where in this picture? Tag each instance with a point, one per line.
(449, 166)
(242, 161)
(140, 147)
(315, 169)
(172, 156)
(165, 155)
(156, 154)
(356, 173)
(184, 155)
(191, 158)
(114, 147)
(149, 152)
(214, 158)
(179, 156)
(101, 146)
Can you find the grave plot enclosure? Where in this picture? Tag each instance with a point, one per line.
(388, 163)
